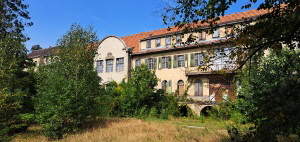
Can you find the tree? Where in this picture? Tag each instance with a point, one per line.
(36, 47)
(16, 84)
(68, 89)
(12, 15)
(279, 27)
(271, 94)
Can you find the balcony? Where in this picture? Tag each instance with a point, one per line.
(212, 69)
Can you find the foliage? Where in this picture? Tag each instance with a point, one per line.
(271, 96)
(36, 47)
(12, 14)
(138, 96)
(281, 25)
(68, 88)
(10, 109)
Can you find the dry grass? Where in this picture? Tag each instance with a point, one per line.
(135, 130)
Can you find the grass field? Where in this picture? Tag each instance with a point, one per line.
(136, 130)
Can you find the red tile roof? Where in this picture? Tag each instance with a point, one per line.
(133, 41)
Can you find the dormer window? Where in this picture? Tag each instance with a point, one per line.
(157, 42)
(202, 35)
(216, 33)
(168, 40)
(148, 44)
(178, 39)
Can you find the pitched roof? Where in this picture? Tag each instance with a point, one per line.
(133, 41)
(41, 52)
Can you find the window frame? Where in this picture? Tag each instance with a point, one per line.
(216, 34)
(197, 61)
(148, 44)
(202, 35)
(178, 39)
(138, 62)
(180, 63)
(99, 63)
(165, 62)
(120, 64)
(151, 63)
(168, 38)
(158, 42)
(109, 67)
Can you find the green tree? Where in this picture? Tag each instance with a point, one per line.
(271, 94)
(36, 47)
(16, 84)
(13, 13)
(68, 89)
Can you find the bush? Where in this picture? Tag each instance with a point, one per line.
(138, 97)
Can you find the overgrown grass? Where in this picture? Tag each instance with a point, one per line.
(132, 129)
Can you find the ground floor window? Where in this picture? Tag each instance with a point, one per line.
(164, 86)
(180, 87)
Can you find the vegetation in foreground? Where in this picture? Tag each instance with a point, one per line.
(132, 129)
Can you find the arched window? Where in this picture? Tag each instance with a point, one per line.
(198, 87)
(180, 87)
(164, 85)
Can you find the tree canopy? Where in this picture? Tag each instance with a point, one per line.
(36, 47)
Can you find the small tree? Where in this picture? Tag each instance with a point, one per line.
(68, 88)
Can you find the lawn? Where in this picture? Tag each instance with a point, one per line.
(137, 130)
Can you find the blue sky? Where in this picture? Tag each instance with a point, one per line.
(53, 18)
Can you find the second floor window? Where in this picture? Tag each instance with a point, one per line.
(168, 40)
(99, 66)
(120, 64)
(180, 61)
(164, 62)
(198, 59)
(150, 63)
(137, 63)
(109, 65)
(157, 42)
(148, 44)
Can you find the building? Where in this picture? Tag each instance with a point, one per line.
(180, 67)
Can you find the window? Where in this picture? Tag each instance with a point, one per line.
(109, 65)
(150, 63)
(202, 35)
(216, 33)
(180, 87)
(198, 59)
(120, 64)
(198, 88)
(168, 40)
(164, 62)
(178, 39)
(180, 61)
(164, 86)
(99, 66)
(148, 44)
(137, 63)
(157, 42)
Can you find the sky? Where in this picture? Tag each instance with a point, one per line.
(53, 18)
